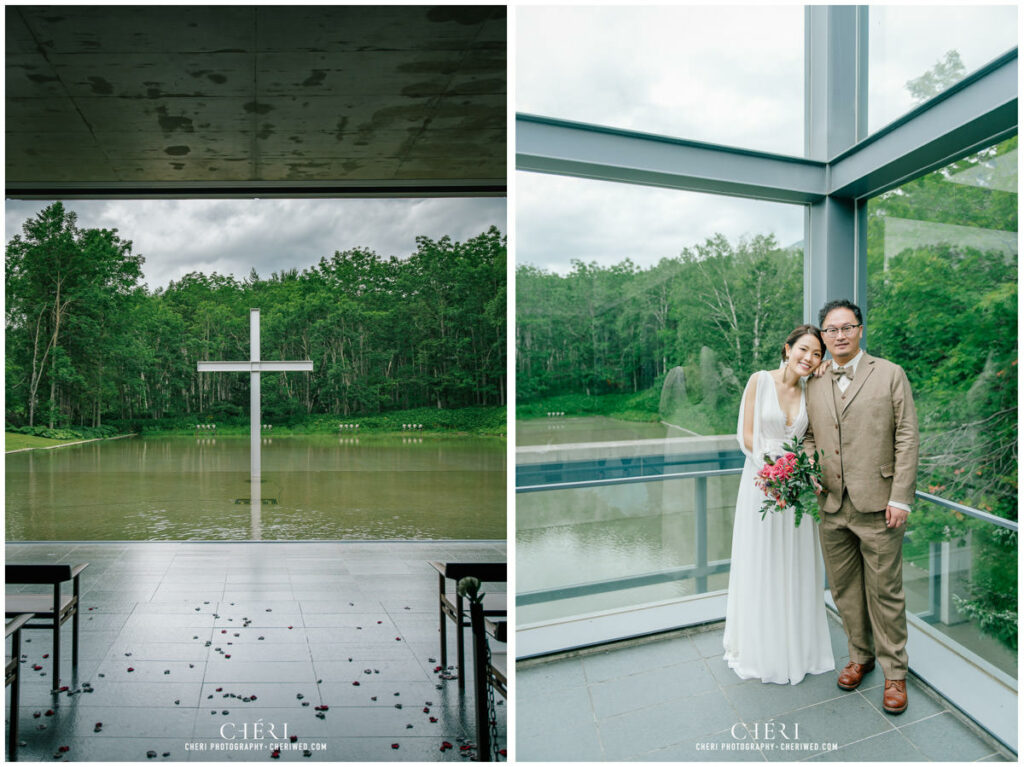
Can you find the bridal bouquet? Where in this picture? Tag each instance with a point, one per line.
(790, 481)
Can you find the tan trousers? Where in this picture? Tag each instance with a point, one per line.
(864, 562)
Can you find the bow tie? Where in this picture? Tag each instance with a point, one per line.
(841, 371)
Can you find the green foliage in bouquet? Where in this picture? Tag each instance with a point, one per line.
(791, 481)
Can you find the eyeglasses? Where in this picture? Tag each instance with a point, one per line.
(845, 330)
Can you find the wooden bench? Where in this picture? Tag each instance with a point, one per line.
(485, 572)
(52, 610)
(12, 678)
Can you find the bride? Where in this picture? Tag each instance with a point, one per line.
(775, 626)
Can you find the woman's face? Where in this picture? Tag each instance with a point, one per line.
(804, 355)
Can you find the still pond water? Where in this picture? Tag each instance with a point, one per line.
(313, 487)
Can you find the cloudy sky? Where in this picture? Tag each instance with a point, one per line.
(233, 236)
(725, 75)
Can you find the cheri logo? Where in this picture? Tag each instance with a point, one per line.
(258, 730)
(766, 731)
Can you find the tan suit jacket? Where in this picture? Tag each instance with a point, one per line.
(868, 436)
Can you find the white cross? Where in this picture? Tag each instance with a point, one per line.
(254, 367)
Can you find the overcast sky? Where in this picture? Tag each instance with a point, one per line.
(720, 74)
(234, 236)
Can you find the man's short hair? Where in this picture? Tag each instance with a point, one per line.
(840, 303)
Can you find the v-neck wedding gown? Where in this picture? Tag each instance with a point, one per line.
(775, 625)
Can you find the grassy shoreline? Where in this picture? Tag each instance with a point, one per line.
(476, 422)
(641, 407)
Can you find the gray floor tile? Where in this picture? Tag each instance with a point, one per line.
(231, 670)
(819, 723)
(92, 749)
(642, 690)
(366, 651)
(724, 676)
(718, 747)
(624, 661)
(667, 724)
(755, 699)
(536, 681)
(558, 726)
(392, 670)
(709, 643)
(945, 738)
(888, 747)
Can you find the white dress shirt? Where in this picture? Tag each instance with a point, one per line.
(844, 383)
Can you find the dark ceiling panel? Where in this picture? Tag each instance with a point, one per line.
(345, 100)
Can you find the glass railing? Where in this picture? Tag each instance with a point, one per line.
(603, 544)
(600, 536)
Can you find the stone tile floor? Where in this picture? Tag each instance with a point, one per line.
(288, 626)
(673, 698)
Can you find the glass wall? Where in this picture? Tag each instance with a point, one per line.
(696, 72)
(619, 312)
(916, 52)
(631, 361)
(942, 301)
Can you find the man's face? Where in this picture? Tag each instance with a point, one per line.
(842, 346)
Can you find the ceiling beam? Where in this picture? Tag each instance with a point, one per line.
(566, 148)
(976, 113)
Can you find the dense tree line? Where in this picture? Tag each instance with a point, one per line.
(86, 342)
(601, 330)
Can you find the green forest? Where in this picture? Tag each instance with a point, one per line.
(90, 348)
(941, 302)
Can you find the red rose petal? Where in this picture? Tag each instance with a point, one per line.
(293, 738)
(394, 745)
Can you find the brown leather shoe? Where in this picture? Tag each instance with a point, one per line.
(895, 699)
(850, 677)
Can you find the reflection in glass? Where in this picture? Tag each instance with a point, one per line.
(942, 302)
(916, 52)
(593, 549)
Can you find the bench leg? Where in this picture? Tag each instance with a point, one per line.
(56, 638)
(12, 738)
(442, 618)
(460, 647)
(74, 628)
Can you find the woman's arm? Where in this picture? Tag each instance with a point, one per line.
(749, 403)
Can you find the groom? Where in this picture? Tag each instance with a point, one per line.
(862, 417)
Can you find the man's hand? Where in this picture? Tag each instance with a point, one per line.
(895, 517)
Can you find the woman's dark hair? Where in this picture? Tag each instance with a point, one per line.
(799, 332)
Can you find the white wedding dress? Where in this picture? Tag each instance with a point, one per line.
(775, 625)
